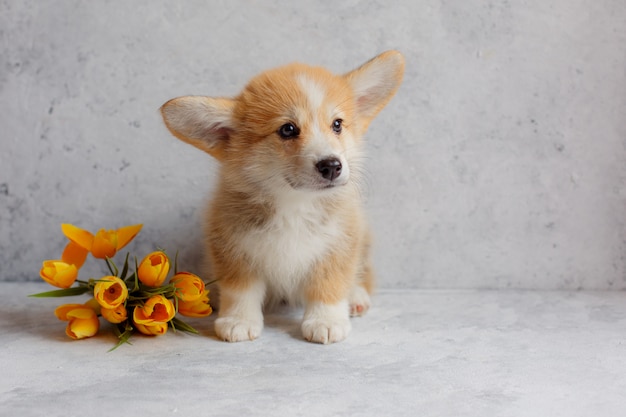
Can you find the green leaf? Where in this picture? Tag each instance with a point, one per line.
(130, 282)
(123, 337)
(176, 263)
(136, 275)
(125, 268)
(145, 292)
(112, 268)
(66, 292)
(178, 324)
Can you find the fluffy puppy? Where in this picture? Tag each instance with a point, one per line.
(286, 219)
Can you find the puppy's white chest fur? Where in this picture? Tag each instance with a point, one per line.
(283, 251)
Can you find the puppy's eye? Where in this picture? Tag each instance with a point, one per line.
(288, 131)
(337, 125)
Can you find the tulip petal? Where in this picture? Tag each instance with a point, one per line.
(126, 234)
(115, 315)
(81, 313)
(154, 329)
(160, 313)
(82, 328)
(196, 308)
(189, 287)
(93, 304)
(81, 237)
(140, 317)
(74, 254)
(62, 310)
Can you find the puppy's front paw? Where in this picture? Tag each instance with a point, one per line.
(318, 331)
(326, 323)
(237, 329)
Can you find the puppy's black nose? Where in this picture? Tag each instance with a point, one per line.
(330, 168)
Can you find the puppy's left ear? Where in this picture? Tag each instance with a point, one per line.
(204, 122)
(375, 83)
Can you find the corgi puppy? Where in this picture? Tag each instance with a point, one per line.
(286, 220)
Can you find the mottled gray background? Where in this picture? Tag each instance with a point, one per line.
(500, 163)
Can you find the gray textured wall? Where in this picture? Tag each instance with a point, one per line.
(501, 162)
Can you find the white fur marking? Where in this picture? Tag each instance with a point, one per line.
(315, 93)
(320, 146)
(284, 250)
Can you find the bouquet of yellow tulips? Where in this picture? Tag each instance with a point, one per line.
(133, 298)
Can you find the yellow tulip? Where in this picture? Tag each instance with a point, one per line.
(189, 287)
(153, 269)
(110, 292)
(58, 273)
(83, 321)
(105, 243)
(156, 309)
(197, 308)
(115, 315)
(154, 329)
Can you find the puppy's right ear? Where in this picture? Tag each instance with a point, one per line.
(204, 122)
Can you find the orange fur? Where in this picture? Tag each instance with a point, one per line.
(286, 218)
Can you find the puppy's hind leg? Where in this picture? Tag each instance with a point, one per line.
(359, 300)
(359, 297)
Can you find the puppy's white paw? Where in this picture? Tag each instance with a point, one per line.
(359, 301)
(237, 329)
(241, 317)
(318, 331)
(325, 323)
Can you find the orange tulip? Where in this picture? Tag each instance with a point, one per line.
(83, 321)
(105, 243)
(115, 315)
(189, 287)
(153, 316)
(110, 292)
(58, 273)
(197, 308)
(153, 269)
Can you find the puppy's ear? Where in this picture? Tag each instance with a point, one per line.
(375, 82)
(203, 122)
